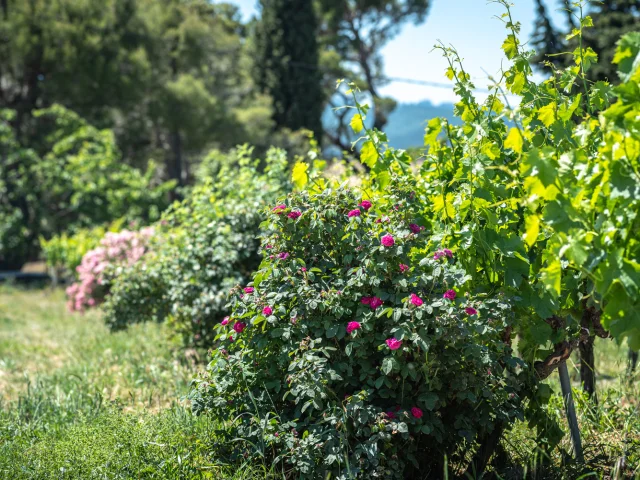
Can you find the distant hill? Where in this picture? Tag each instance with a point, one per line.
(407, 122)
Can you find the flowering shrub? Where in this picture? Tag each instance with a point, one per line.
(205, 246)
(357, 353)
(116, 249)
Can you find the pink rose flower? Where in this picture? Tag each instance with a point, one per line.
(279, 208)
(443, 253)
(393, 344)
(416, 412)
(353, 213)
(414, 228)
(269, 246)
(248, 289)
(403, 267)
(295, 214)
(365, 300)
(224, 321)
(449, 295)
(471, 311)
(283, 255)
(387, 241)
(390, 415)
(375, 303)
(231, 339)
(303, 269)
(366, 204)
(416, 300)
(267, 310)
(239, 327)
(351, 326)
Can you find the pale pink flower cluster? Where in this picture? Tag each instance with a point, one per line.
(122, 248)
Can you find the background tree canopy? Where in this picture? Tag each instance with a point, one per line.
(612, 19)
(167, 80)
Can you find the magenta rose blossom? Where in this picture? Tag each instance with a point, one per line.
(403, 267)
(279, 208)
(248, 289)
(387, 241)
(470, 311)
(414, 228)
(366, 204)
(267, 310)
(224, 321)
(295, 214)
(416, 412)
(365, 300)
(231, 339)
(393, 344)
(239, 326)
(443, 253)
(449, 295)
(375, 303)
(283, 255)
(351, 326)
(303, 269)
(416, 300)
(353, 213)
(390, 415)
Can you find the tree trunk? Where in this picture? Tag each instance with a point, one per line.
(175, 162)
(587, 371)
(591, 327)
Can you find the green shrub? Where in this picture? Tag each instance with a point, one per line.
(356, 351)
(75, 180)
(204, 246)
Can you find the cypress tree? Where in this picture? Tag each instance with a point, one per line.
(287, 63)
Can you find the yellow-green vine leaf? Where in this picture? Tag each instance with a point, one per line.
(547, 114)
(299, 176)
(531, 229)
(514, 140)
(369, 154)
(551, 277)
(357, 123)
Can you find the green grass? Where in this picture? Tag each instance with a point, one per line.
(77, 402)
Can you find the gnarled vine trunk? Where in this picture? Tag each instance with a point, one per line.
(587, 372)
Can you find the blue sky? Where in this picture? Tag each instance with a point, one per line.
(468, 25)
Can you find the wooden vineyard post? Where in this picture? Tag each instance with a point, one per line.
(570, 411)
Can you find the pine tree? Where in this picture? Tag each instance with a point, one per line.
(287, 63)
(545, 39)
(611, 19)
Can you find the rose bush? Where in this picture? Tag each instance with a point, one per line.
(356, 351)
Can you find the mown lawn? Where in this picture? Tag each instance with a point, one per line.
(77, 402)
